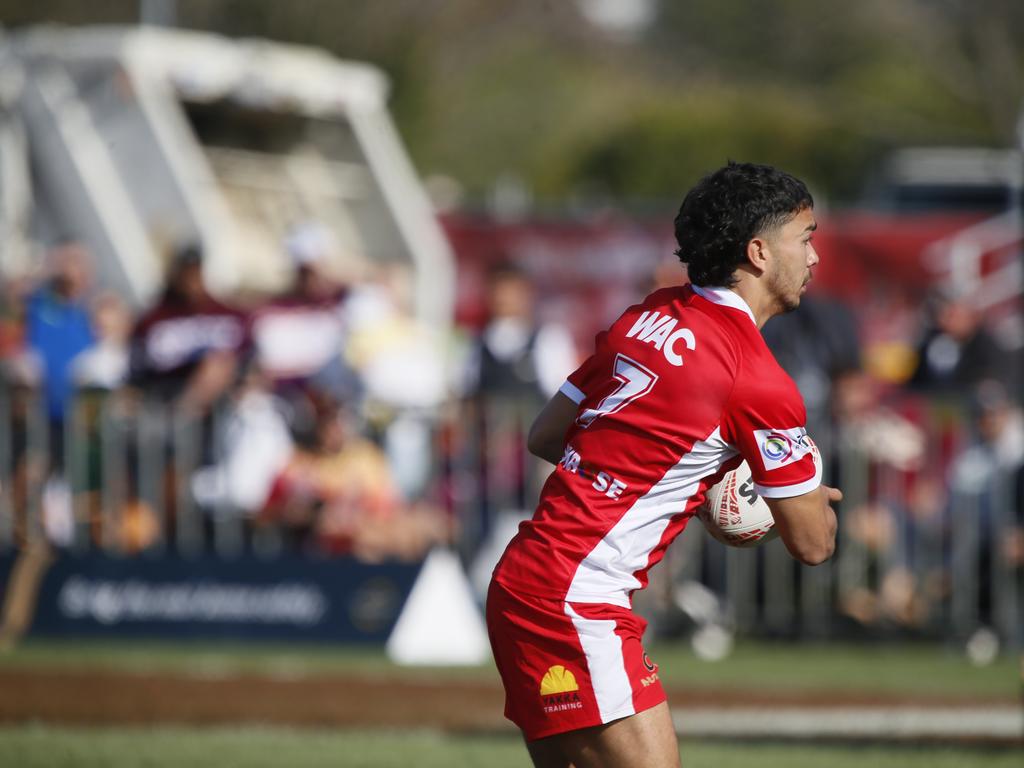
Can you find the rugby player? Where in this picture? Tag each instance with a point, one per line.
(678, 391)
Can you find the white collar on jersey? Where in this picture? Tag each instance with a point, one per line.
(727, 297)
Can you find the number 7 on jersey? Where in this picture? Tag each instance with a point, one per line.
(635, 381)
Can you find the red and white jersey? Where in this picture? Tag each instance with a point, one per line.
(679, 390)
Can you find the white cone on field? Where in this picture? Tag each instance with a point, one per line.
(440, 623)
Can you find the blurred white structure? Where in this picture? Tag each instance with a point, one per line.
(923, 179)
(141, 139)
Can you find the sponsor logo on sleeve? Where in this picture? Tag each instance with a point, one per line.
(780, 447)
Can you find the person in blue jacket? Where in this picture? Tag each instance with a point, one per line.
(57, 329)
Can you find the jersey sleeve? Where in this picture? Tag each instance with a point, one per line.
(766, 424)
(588, 376)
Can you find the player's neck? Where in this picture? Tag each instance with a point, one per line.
(761, 302)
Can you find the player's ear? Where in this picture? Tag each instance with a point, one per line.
(757, 254)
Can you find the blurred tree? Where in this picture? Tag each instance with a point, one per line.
(15, 13)
(531, 88)
(660, 148)
(901, 70)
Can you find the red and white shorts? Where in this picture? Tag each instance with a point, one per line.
(568, 665)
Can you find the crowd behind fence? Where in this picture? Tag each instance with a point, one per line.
(929, 547)
(323, 424)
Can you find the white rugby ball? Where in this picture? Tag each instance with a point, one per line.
(734, 514)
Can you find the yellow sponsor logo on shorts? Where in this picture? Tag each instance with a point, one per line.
(558, 679)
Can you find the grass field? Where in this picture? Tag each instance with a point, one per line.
(823, 671)
(925, 670)
(38, 746)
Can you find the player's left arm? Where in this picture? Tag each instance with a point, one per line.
(764, 420)
(547, 433)
(807, 523)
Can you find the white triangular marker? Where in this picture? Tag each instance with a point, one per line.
(440, 623)
(503, 530)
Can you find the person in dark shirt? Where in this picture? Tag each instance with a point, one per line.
(186, 354)
(817, 344)
(517, 355)
(957, 352)
(186, 349)
(516, 362)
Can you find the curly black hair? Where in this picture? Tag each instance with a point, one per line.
(725, 210)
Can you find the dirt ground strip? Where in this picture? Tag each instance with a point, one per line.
(109, 697)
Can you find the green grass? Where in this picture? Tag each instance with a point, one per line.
(900, 669)
(206, 657)
(52, 747)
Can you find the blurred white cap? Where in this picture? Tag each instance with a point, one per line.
(310, 243)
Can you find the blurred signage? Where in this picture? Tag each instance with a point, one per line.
(285, 598)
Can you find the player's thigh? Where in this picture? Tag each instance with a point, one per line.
(644, 740)
(548, 753)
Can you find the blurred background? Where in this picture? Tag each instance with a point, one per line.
(282, 286)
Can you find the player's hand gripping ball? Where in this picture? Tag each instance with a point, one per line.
(734, 514)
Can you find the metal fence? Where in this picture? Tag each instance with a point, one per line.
(929, 549)
(930, 542)
(79, 482)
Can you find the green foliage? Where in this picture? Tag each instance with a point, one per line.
(483, 90)
(660, 149)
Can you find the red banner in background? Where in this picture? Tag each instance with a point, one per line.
(588, 270)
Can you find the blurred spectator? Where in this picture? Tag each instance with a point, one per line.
(985, 504)
(515, 364)
(402, 364)
(815, 344)
(516, 355)
(58, 329)
(187, 348)
(401, 361)
(19, 374)
(105, 365)
(97, 375)
(185, 356)
(337, 493)
(257, 444)
(997, 445)
(13, 293)
(298, 341)
(915, 536)
(301, 335)
(956, 351)
(878, 453)
(870, 428)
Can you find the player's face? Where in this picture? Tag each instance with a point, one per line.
(793, 257)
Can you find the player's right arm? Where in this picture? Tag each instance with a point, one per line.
(546, 438)
(807, 523)
(547, 434)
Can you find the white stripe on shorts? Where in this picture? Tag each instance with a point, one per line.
(607, 667)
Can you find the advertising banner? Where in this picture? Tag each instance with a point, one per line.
(339, 600)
